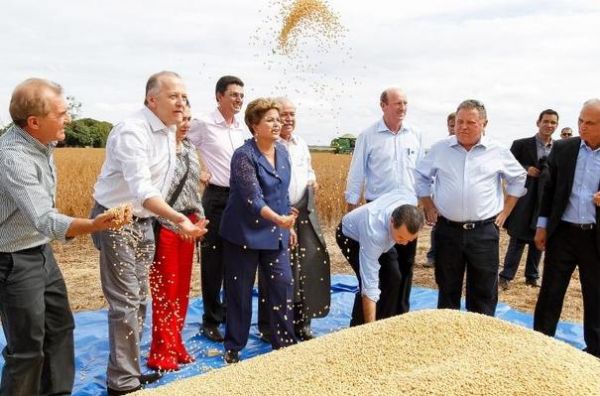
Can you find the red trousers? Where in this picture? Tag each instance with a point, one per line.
(170, 286)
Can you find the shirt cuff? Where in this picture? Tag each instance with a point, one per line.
(352, 198)
(423, 191)
(61, 226)
(516, 191)
(371, 293)
(542, 222)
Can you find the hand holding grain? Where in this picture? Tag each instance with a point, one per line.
(114, 218)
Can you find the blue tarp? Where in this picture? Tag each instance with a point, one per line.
(91, 342)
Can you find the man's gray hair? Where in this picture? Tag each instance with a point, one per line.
(470, 104)
(154, 82)
(283, 100)
(30, 98)
(592, 102)
(409, 215)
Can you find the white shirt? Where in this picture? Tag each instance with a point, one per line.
(370, 226)
(216, 142)
(139, 163)
(302, 171)
(383, 161)
(468, 184)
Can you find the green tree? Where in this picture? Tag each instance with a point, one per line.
(87, 132)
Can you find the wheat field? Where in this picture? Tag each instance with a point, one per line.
(78, 169)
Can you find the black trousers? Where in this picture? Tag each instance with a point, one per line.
(472, 251)
(395, 277)
(568, 248)
(37, 323)
(513, 257)
(240, 271)
(212, 270)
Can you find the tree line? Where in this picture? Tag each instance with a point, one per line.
(80, 132)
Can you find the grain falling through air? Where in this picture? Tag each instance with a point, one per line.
(308, 17)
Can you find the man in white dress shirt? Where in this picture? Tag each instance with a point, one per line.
(384, 160)
(216, 137)
(468, 207)
(310, 259)
(140, 160)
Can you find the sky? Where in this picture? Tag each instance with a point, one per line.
(518, 57)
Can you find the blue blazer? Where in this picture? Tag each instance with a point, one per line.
(254, 183)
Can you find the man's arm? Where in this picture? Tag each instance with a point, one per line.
(37, 205)
(546, 201)
(356, 172)
(509, 204)
(160, 207)
(424, 176)
(80, 226)
(369, 273)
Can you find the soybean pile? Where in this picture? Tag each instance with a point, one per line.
(435, 352)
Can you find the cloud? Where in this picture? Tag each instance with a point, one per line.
(518, 57)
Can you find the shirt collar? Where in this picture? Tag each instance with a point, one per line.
(541, 142)
(381, 127)
(155, 123)
(484, 142)
(46, 149)
(293, 140)
(586, 147)
(220, 120)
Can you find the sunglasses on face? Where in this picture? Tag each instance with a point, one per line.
(566, 134)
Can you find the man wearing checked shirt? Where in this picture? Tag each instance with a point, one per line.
(384, 159)
(468, 207)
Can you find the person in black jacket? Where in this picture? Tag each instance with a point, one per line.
(568, 228)
(531, 153)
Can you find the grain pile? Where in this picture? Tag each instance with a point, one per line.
(308, 18)
(438, 352)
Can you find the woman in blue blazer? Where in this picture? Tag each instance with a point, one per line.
(257, 228)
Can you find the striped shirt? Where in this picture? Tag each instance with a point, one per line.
(189, 199)
(28, 216)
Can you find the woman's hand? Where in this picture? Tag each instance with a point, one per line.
(286, 221)
(293, 238)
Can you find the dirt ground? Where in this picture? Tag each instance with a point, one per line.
(79, 263)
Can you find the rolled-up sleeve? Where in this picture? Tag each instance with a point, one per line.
(131, 151)
(20, 179)
(369, 269)
(356, 174)
(514, 174)
(243, 175)
(424, 173)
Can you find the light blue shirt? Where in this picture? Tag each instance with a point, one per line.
(370, 225)
(383, 161)
(468, 184)
(586, 181)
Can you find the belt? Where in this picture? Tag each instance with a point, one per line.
(584, 227)
(214, 187)
(467, 225)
